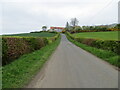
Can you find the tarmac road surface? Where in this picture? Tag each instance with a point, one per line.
(73, 67)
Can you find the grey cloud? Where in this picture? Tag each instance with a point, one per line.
(19, 17)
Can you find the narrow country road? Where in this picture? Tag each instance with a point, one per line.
(72, 67)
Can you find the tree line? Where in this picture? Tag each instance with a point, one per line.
(73, 27)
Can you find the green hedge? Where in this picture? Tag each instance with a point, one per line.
(110, 45)
(13, 47)
(19, 73)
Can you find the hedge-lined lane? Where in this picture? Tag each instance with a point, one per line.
(20, 72)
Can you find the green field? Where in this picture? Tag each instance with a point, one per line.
(113, 35)
(42, 34)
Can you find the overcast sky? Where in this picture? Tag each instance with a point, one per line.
(21, 16)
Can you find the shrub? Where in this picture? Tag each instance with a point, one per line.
(36, 43)
(78, 39)
(14, 47)
(63, 31)
(110, 45)
(107, 45)
(36, 32)
(53, 32)
(88, 42)
(4, 50)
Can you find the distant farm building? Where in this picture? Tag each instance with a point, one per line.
(58, 29)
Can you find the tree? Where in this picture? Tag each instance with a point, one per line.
(91, 27)
(77, 28)
(74, 22)
(118, 26)
(85, 27)
(67, 26)
(44, 28)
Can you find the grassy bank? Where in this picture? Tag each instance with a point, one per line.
(112, 35)
(108, 56)
(20, 72)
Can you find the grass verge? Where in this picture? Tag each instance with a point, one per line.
(108, 56)
(19, 73)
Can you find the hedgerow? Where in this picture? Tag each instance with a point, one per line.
(20, 72)
(110, 45)
(14, 47)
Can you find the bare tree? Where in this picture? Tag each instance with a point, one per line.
(74, 22)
